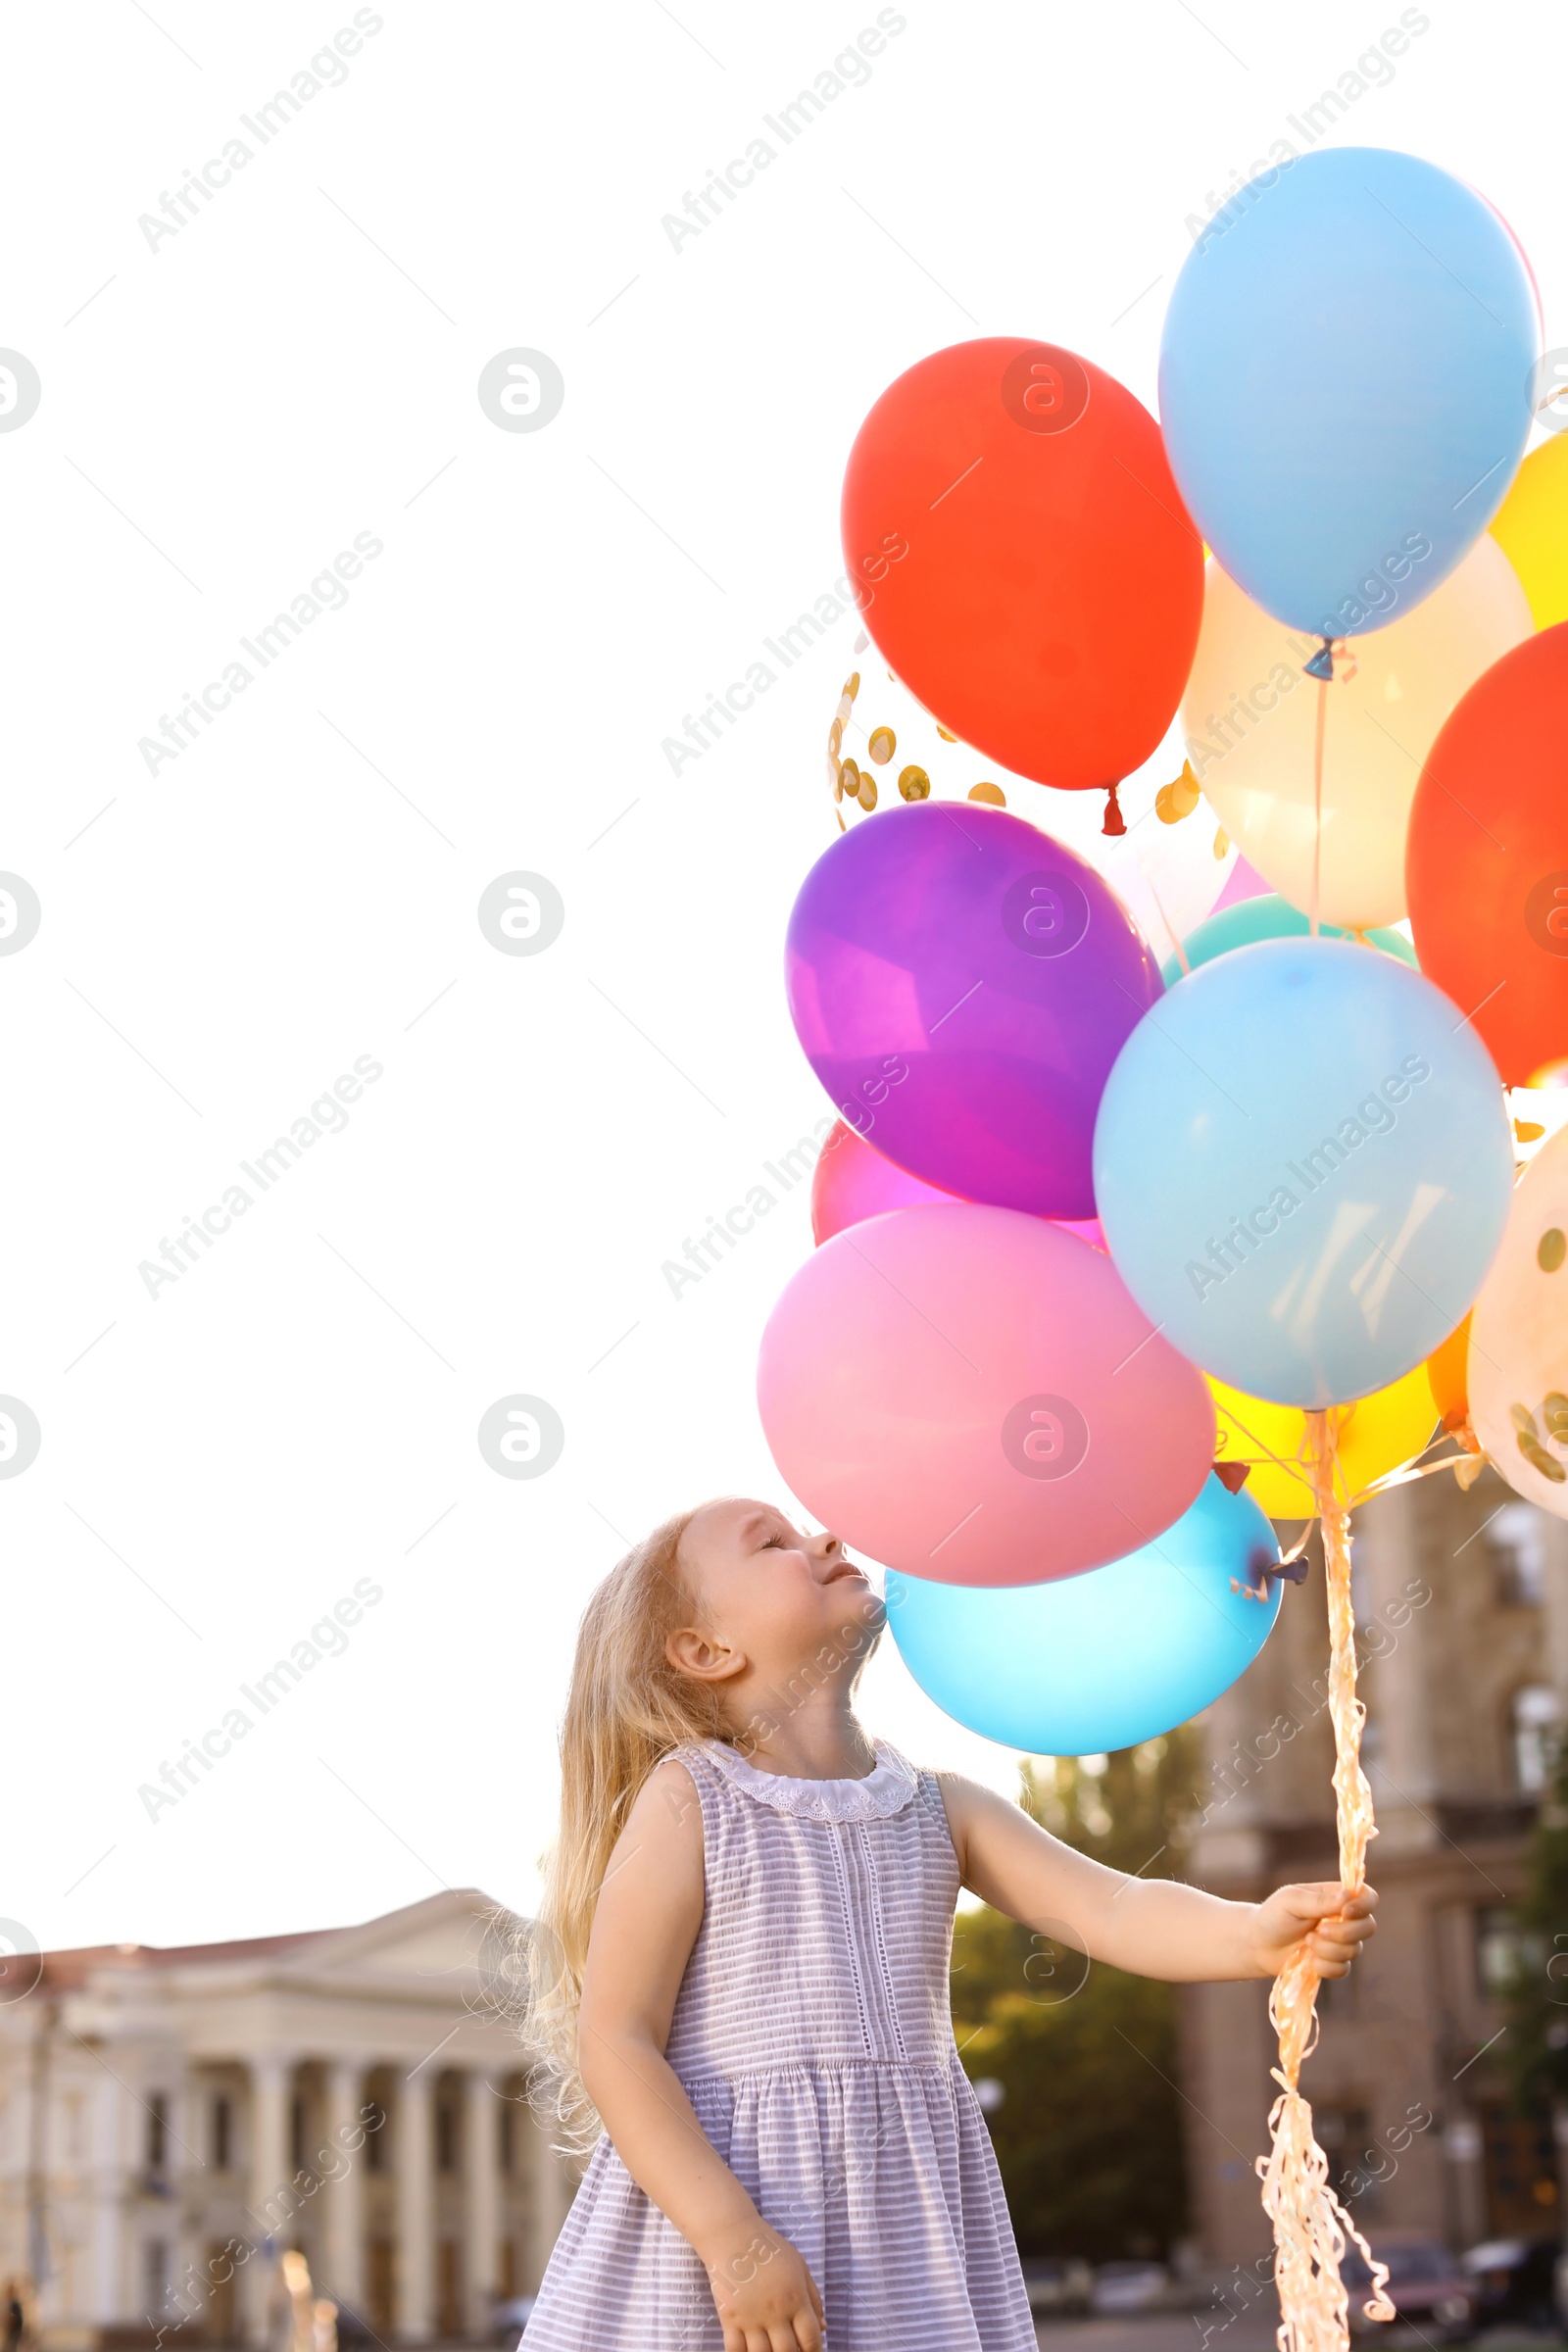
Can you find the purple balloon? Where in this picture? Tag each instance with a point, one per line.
(961, 985)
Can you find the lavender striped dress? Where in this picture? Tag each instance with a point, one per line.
(814, 2038)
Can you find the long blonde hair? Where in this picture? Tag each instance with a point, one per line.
(626, 1708)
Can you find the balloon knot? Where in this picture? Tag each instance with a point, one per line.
(1288, 1572)
(1321, 664)
(1114, 822)
(1232, 1476)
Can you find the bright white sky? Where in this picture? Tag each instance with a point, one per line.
(219, 941)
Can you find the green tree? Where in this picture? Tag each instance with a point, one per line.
(1088, 2132)
(1537, 2046)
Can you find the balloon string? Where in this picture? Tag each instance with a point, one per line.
(1293, 1466)
(1403, 1478)
(1171, 931)
(1311, 2227)
(1317, 792)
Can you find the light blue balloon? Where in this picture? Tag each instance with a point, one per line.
(1090, 1664)
(1346, 383)
(1302, 1164)
(1267, 917)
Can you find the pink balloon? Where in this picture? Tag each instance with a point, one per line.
(969, 1393)
(1244, 881)
(853, 1182)
(1088, 1229)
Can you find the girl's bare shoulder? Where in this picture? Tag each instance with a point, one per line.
(666, 1815)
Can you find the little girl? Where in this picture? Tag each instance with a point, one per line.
(739, 1972)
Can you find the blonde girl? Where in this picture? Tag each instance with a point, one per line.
(739, 1978)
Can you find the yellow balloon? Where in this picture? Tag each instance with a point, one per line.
(1531, 526)
(1249, 718)
(1518, 1366)
(1376, 1435)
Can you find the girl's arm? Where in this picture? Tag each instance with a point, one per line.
(1153, 1927)
(649, 1911)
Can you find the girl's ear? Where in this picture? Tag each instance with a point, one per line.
(705, 1657)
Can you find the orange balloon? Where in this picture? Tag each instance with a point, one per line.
(1447, 1369)
(1022, 557)
(1487, 862)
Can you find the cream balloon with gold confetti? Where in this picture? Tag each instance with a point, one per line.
(884, 747)
(1518, 1362)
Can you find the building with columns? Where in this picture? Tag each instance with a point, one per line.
(173, 2120)
(1462, 1605)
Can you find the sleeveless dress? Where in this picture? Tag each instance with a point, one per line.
(813, 2036)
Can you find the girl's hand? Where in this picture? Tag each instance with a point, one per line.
(765, 2297)
(1333, 1925)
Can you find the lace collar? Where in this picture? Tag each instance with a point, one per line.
(886, 1789)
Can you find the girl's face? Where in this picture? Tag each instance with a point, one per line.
(769, 1597)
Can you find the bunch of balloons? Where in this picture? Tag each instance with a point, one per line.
(1112, 1258)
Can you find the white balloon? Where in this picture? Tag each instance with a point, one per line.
(1518, 1361)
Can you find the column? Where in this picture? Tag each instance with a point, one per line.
(343, 2220)
(482, 2132)
(269, 2174)
(188, 2168)
(553, 2189)
(106, 2303)
(416, 2201)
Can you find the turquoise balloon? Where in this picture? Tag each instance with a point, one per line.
(1266, 917)
(1303, 1165)
(1090, 1664)
(1346, 378)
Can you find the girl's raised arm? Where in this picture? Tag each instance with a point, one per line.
(1155, 1927)
(645, 1921)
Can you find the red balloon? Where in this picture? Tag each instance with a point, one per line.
(1487, 862)
(852, 1182)
(1023, 559)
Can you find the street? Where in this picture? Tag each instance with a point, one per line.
(1250, 2331)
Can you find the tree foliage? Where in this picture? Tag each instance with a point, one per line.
(1536, 2048)
(1088, 2132)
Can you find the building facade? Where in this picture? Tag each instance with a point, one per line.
(1461, 1603)
(173, 2120)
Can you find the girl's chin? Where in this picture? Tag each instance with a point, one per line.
(858, 1604)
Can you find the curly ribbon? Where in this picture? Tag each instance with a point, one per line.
(1311, 2227)
(1323, 677)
